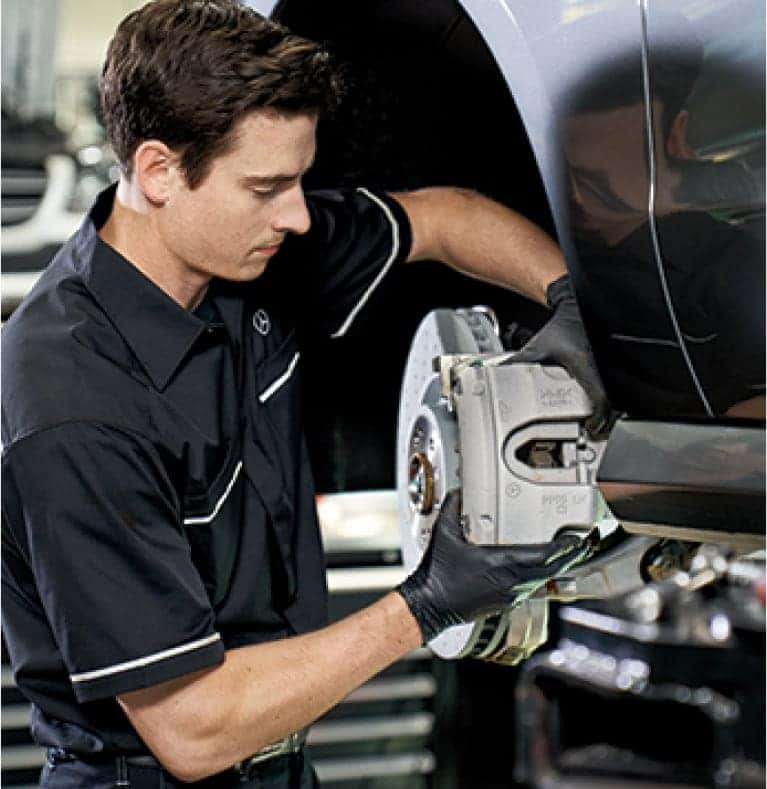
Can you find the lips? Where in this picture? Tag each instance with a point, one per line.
(268, 250)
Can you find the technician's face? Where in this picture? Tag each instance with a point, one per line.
(608, 169)
(236, 219)
(609, 172)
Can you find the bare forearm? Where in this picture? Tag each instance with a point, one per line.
(262, 693)
(482, 238)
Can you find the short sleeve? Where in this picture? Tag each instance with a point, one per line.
(97, 519)
(355, 238)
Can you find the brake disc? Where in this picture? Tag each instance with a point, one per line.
(427, 446)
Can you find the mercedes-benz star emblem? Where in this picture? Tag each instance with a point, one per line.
(261, 322)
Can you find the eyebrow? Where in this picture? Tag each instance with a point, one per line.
(265, 180)
(276, 178)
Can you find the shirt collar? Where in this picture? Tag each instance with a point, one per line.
(159, 331)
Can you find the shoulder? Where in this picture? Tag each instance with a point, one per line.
(61, 358)
(353, 204)
(350, 223)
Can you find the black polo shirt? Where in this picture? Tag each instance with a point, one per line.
(158, 505)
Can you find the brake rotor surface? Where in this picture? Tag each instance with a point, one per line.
(428, 460)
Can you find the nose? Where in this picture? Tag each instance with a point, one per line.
(292, 215)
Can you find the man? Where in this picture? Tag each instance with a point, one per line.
(163, 576)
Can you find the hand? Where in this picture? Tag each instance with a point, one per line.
(563, 341)
(458, 582)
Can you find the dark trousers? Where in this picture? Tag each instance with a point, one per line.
(64, 771)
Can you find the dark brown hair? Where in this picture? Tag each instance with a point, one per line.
(185, 71)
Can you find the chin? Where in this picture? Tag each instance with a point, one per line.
(251, 272)
(246, 271)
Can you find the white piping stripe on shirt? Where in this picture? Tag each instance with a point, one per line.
(374, 284)
(275, 385)
(144, 661)
(220, 503)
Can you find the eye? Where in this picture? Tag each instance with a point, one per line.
(265, 191)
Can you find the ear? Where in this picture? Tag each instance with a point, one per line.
(153, 162)
(677, 146)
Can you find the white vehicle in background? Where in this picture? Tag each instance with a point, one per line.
(46, 189)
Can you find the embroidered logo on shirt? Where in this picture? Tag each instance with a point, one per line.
(261, 322)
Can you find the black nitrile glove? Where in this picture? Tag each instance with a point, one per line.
(458, 582)
(563, 341)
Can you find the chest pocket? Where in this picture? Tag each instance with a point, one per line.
(277, 396)
(212, 523)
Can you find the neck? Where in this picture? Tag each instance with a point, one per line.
(132, 231)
